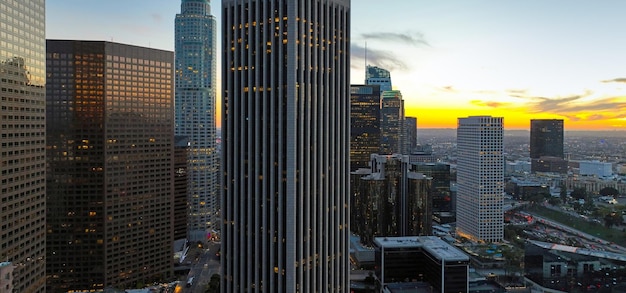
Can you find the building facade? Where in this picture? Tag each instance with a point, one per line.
(410, 135)
(443, 266)
(390, 200)
(379, 76)
(286, 144)
(110, 142)
(195, 39)
(480, 178)
(392, 123)
(23, 142)
(364, 124)
(181, 206)
(546, 145)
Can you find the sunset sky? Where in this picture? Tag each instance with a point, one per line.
(522, 60)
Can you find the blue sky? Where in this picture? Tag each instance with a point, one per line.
(518, 59)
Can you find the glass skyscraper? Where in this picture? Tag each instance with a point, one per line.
(286, 144)
(364, 124)
(110, 144)
(23, 143)
(480, 178)
(392, 123)
(379, 76)
(195, 31)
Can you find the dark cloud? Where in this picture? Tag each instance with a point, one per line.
(381, 58)
(620, 79)
(414, 38)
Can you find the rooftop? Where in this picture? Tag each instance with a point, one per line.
(434, 245)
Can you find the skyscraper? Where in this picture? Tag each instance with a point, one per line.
(391, 200)
(480, 178)
(546, 145)
(286, 106)
(364, 124)
(410, 135)
(391, 123)
(23, 142)
(195, 111)
(379, 76)
(110, 144)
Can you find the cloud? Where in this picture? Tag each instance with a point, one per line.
(413, 38)
(381, 58)
(156, 17)
(619, 79)
(491, 104)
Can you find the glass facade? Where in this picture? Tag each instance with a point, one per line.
(195, 38)
(364, 124)
(110, 132)
(392, 123)
(23, 142)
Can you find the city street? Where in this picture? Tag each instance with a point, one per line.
(206, 265)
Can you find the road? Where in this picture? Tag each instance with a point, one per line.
(206, 265)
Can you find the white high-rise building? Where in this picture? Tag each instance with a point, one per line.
(286, 144)
(480, 178)
(195, 112)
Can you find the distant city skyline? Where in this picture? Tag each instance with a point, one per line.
(519, 60)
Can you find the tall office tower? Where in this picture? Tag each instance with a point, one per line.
(410, 135)
(195, 111)
(392, 123)
(379, 76)
(364, 124)
(480, 178)
(391, 200)
(546, 145)
(110, 148)
(286, 145)
(23, 142)
(181, 145)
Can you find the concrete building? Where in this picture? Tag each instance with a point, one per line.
(286, 145)
(23, 142)
(6, 277)
(480, 178)
(110, 142)
(421, 259)
(596, 168)
(195, 47)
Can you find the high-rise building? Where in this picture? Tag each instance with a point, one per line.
(390, 200)
(364, 124)
(23, 142)
(480, 178)
(391, 123)
(441, 196)
(410, 135)
(181, 145)
(546, 145)
(195, 34)
(379, 76)
(110, 148)
(286, 145)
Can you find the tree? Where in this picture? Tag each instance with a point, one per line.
(609, 191)
(563, 193)
(579, 193)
